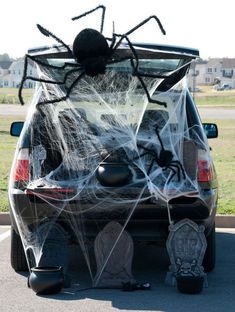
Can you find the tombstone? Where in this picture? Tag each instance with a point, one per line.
(114, 253)
(186, 246)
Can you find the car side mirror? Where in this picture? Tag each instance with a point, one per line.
(211, 130)
(16, 128)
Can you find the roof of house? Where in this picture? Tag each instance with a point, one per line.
(6, 77)
(228, 63)
(214, 61)
(21, 61)
(5, 64)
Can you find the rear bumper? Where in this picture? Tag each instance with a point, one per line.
(146, 221)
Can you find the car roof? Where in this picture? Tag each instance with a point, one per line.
(169, 48)
(150, 48)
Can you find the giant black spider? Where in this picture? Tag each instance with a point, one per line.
(164, 159)
(92, 54)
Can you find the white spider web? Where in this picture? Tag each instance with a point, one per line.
(94, 158)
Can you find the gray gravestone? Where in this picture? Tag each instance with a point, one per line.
(186, 246)
(114, 253)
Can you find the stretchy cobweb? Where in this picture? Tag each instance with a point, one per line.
(105, 154)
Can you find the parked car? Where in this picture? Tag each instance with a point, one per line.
(223, 87)
(106, 153)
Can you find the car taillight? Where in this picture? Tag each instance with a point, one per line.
(21, 172)
(204, 165)
(205, 172)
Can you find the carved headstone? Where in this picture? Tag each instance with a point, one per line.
(186, 246)
(114, 253)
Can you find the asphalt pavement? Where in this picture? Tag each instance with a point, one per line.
(205, 112)
(13, 109)
(216, 113)
(150, 264)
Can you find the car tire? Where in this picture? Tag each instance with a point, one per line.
(18, 259)
(210, 254)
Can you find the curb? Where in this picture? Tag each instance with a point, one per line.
(5, 218)
(225, 221)
(221, 221)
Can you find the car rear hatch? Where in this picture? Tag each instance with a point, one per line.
(106, 134)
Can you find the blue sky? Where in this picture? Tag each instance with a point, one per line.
(206, 25)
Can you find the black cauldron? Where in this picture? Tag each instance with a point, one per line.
(113, 174)
(46, 280)
(190, 284)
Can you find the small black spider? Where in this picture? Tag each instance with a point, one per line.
(92, 53)
(164, 159)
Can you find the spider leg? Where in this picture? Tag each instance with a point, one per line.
(40, 62)
(141, 155)
(55, 81)
(135, 66)
(146, 91)
(113, 41)
(91, 11)
(148, 150)
(177, 170)
(63, 98)
(150, 167)
(146, 21)
(25, 77)
(47, 33)
(177, 163)
(172, 174)
(159, 138)
(152, 162)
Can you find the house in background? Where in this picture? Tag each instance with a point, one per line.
(220, 71)
(212, 72)
(4, 71)
(228, 72)
(215, 71)
(11, 75)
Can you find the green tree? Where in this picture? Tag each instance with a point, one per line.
(5, 57)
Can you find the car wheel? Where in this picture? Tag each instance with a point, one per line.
(18, 259)
(210, 254)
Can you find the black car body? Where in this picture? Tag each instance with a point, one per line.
(106, 153)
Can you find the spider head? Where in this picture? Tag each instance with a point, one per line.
(91, 50)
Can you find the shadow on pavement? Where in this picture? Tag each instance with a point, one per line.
(150, 265)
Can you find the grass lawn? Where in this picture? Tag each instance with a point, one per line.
(224, 157)
(218, 101)
(210, 97)
(223, 154)
(10, 95)
(7, 148)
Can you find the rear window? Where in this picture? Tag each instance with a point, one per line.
(150, 66)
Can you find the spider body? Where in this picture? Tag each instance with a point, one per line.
(91, 50)
(165, 160)
(92, 54)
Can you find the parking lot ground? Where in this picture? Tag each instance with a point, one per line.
(150, 264)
